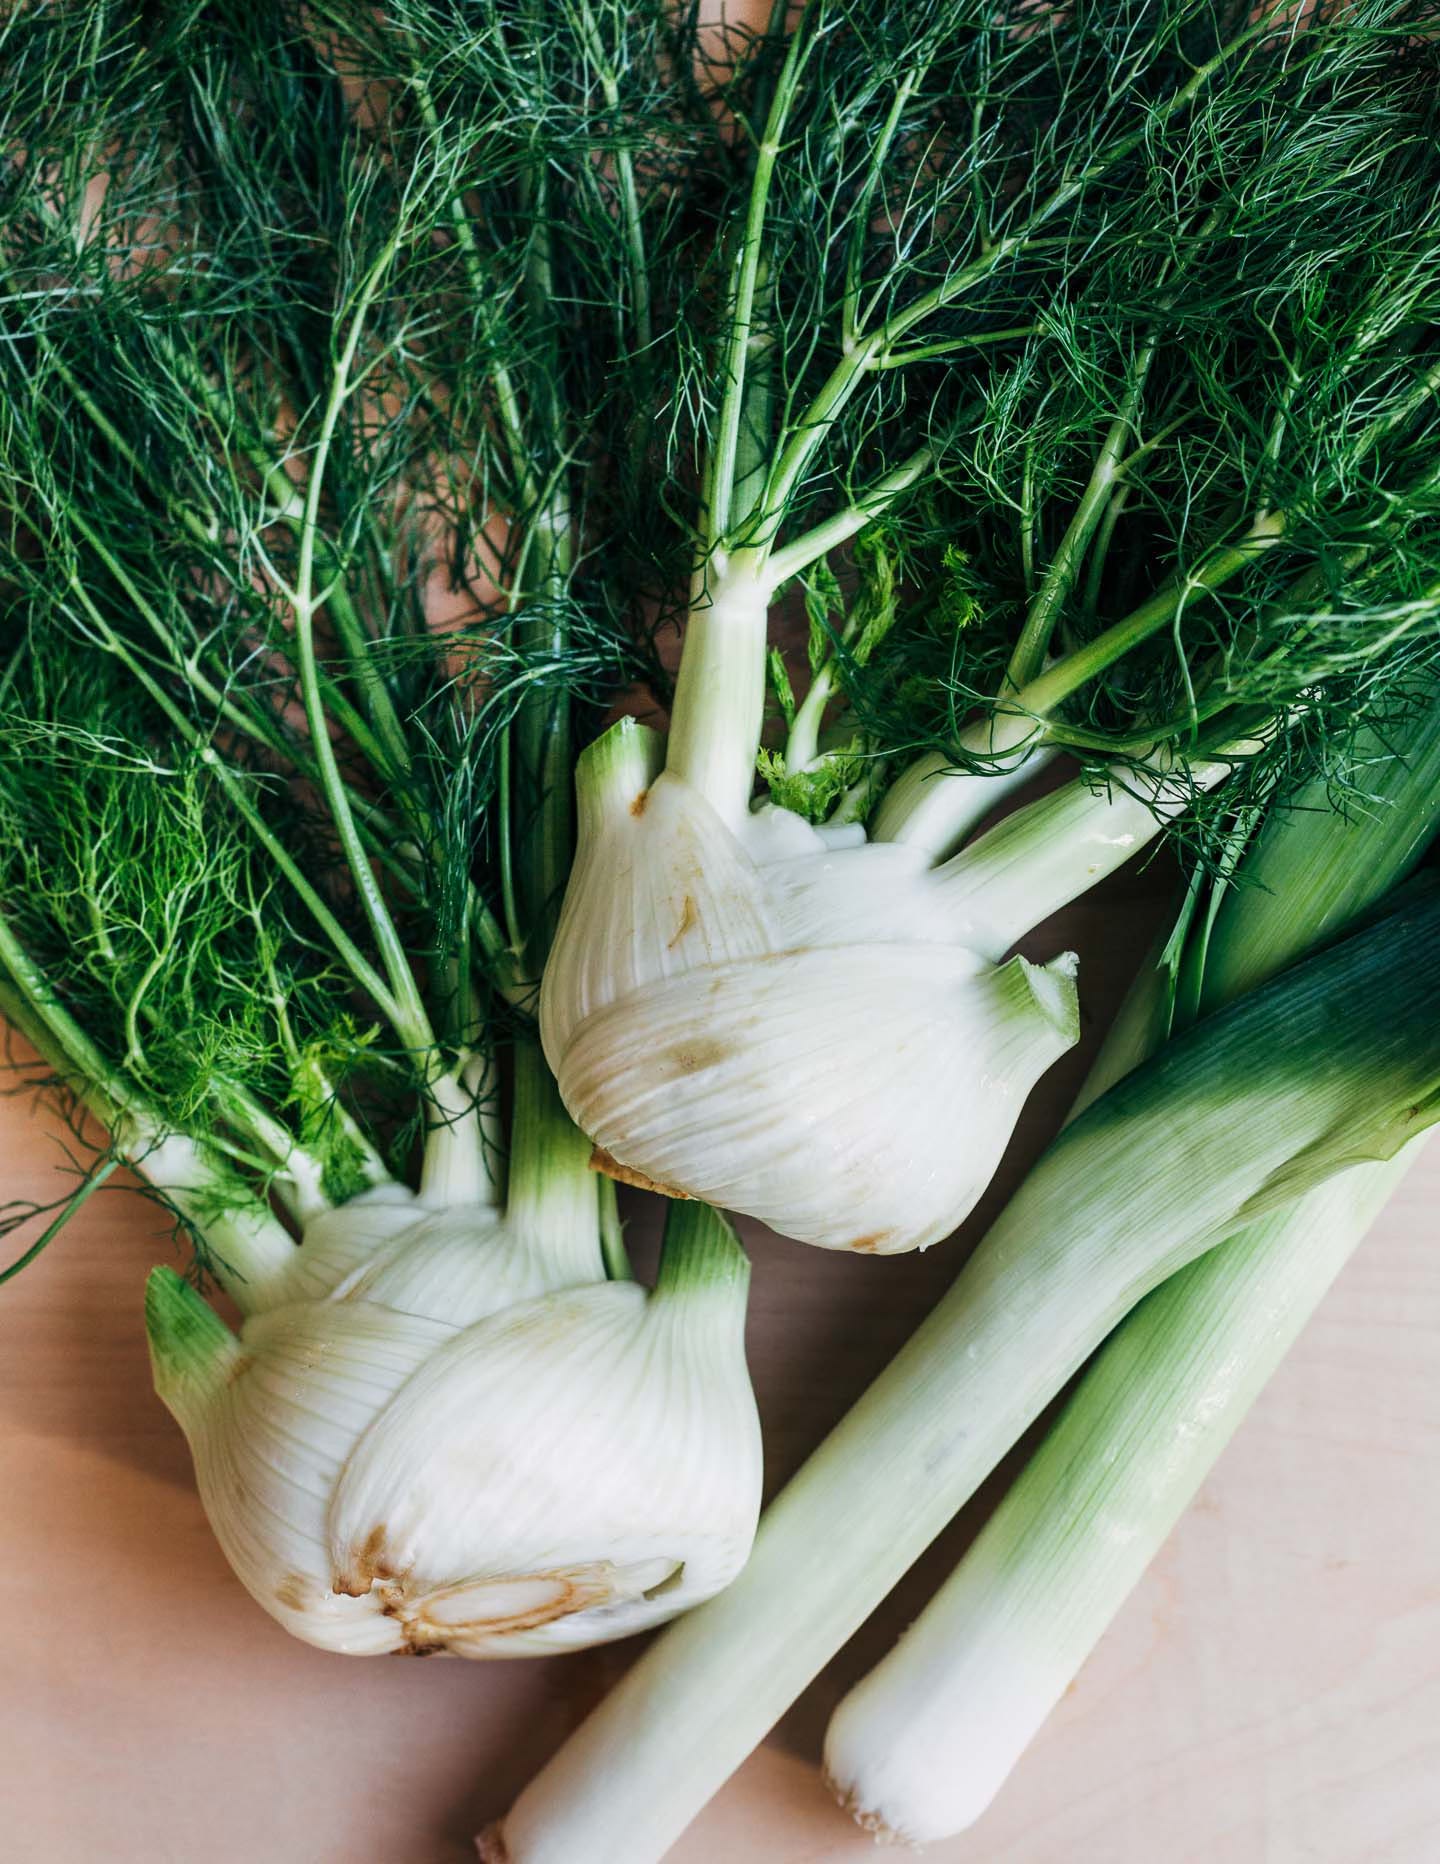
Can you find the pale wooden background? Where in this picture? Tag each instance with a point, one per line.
(1270, 1696)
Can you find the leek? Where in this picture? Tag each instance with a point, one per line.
(1337, 1059)
(922, 1744)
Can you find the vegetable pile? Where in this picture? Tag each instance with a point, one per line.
(1026, 420)
(280, 863)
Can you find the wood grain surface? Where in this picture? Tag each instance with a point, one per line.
(1271, 1695)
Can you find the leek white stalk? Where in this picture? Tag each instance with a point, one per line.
(1337, 1059)
(919, 1748)
(442, 1428)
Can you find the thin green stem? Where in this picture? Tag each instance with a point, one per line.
(177, 507)
(952, 346)
(1026, 512)
(355, 961)
(252, 721)
(724, 452)
(252, 724)
(298, 1173)
(845, 378)
(50, 1028)
(389, 749)
(101, 1175)
(824, 410)
(613, 1252)
(752, 450)
(250, 1246)
(1028, 656)
(624, 180)
(850, 316)
(411, 1021)
(540, 814)
(540, 818)
(844, 525)
(1040, 696)
(134, 1057)
(507, 399)
(514, 936)
(376, 731)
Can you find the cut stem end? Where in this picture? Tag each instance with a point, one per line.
(193, 1354)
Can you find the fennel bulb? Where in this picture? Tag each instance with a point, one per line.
(281, 861)
(819, 1035)
(438, 1445)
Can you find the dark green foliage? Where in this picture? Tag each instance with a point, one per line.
(1225, 225)
(214, 215)
(464, 269)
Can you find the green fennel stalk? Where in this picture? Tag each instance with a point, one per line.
(1336, 1059)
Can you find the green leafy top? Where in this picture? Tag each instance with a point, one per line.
(1125, 317)
(293, 358)
(1078, 365)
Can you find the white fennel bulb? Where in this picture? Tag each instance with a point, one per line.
(440, 1429)
(820, 1031)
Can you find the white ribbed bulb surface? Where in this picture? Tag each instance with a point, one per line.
(422, 1446)
(816, 1035)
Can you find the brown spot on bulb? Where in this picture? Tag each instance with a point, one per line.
(415, 1646)
(688, 917)
(606, 1162)
(691, 1057)
(637, 808)
(462, 1618)
(369, 1566)
(293, 1592)
(871, 1244)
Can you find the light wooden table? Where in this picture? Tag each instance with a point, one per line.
(1270, 1696)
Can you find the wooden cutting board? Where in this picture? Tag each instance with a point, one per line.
(1271, 1694)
